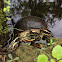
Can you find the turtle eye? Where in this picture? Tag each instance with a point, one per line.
(44, 37)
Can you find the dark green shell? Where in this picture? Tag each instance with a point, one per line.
(30, 22)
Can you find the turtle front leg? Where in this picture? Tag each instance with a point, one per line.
(12, 45)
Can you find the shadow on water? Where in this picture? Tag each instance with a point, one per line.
(51, 12)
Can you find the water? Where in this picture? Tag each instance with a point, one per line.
(57, 29)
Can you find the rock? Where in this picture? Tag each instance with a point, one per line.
(27, 53)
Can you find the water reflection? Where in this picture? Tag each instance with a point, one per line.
(57, 29)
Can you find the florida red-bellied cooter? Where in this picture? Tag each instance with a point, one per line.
(32, 26)
(32, 29)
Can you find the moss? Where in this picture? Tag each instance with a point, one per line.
(27, 53)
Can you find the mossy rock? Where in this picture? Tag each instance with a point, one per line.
(27, 53)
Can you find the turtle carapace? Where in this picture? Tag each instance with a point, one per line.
(30, 22)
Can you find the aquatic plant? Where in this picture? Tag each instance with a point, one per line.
(52, 60)
(51, 42)
(10, 56)
(56, 53)
(42, 58)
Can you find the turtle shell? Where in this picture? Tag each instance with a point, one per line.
(29, 22)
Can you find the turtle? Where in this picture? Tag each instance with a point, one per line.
(33, 24)
(31, 29)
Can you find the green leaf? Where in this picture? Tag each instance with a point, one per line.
(51, 41)
(9, 60)
(52, 60)
(57, 52)
(8, 18)
(10, 56)
(48, 44)
(8, 2)
(5, 1)
(60, 61)
(8, 7)
(42, 58)
(16, 58)
(26, 43)
(29, 43)
(4, 9)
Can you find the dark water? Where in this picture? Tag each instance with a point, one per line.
(55, 27)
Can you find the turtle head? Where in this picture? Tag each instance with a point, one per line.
(45, 34)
